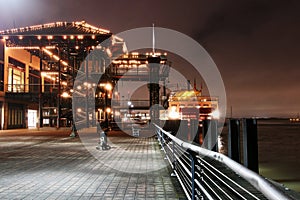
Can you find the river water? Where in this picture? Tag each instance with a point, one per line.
(278, 151)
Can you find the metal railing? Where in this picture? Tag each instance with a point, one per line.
(31, 88)
(204, 174)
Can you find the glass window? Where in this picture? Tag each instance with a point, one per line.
(15, 80)
(34, 80)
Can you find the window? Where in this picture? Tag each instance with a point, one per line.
(34, 80)
(15, 80)
(15, 75)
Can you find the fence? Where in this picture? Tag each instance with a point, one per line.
(204, 174)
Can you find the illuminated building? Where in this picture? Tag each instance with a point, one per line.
(191, 104)
(38, 65)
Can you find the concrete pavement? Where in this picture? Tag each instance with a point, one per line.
(48, 164)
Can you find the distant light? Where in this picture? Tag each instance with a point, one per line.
(108, 86)
(39, 37)
(109, 52)
(65, 95)
(56, 57)
(64, 63)
(173, 114)
(215, 114)
(50, 37)
(108, 110)
(20, 37)
(47, 52)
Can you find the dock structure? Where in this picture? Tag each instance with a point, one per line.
(48, 164)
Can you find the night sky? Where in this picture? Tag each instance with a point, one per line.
(255, 44)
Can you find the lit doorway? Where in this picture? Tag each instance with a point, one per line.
(32, 118)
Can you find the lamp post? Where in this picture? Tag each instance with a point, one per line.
(66, 95)
(108, 88)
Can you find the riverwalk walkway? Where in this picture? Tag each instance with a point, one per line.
(48, 164)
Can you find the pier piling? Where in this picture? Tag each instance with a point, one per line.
(250, 145)
(234, 140)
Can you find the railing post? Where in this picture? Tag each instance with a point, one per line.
(250, 144)
(234, 140)
(174, 161)
(162, 140)
(198, 194)
(193, 173)
(159, 133)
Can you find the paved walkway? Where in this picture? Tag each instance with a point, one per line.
(48, 164)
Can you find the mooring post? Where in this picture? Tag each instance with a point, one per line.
(234, 140)
(214, 138)
(206, 137)
(250, 145)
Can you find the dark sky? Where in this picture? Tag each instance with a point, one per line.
(255, 44)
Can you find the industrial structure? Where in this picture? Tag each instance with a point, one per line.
(38, 68)
(44, 68)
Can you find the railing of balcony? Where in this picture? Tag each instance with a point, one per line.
(32, 88)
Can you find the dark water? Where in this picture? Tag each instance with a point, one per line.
(278, 151)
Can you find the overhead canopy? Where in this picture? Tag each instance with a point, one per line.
(57, 28)
(65, 38)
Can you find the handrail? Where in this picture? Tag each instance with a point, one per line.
(204, 171)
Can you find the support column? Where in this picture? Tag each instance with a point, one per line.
(6, 68)
(154, 64)
(87, 93)
(250, 144)
(5, 110)
(26, 77)
(41, 90)
(1, 115)
(59, 93)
